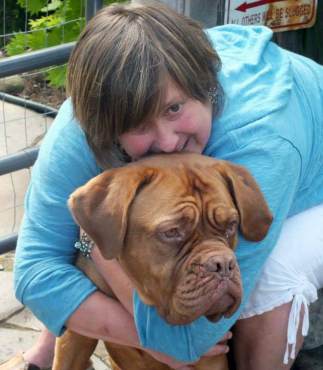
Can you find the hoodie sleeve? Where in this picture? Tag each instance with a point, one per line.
(46, 280)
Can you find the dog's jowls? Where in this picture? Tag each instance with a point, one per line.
(172, 221)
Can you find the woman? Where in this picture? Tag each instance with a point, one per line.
(144, 79)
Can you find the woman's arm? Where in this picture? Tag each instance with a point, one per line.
(105, 318)
(116, 278)
(46, 280)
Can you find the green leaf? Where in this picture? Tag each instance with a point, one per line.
(66, 32)
(45, 22)
(56, 37)
(108, 2)
(75, 9)
(17, 45)
(38, 40)
(52, 6)
(33, 6)
(57, 76)
(64, 24)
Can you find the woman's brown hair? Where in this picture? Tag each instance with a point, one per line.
(117, 70)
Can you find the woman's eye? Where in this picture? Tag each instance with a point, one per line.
(174, 108)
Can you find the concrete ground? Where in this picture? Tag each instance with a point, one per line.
(19, 329)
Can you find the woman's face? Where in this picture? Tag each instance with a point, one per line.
(184, 125)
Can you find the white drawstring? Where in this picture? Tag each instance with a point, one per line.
(294, 318)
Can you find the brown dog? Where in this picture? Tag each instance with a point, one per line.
(172, 222)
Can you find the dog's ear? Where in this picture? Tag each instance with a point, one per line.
(101, 206)
(255, 215)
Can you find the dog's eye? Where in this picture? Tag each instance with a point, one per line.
(174, 235)
(231, 229)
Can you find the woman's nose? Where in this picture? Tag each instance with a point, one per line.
(166, 140)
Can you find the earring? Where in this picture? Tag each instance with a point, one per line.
(213, 95)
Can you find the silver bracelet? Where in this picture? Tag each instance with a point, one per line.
(84, 245)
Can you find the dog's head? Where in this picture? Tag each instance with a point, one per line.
(172, 221)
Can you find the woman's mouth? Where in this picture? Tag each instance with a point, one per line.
(182, 147)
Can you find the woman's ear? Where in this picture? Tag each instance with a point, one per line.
(255, 215)
(101, 206)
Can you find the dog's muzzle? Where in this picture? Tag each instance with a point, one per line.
(210, 285)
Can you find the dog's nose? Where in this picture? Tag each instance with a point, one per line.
(222, 265)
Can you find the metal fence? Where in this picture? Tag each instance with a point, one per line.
(23, 122)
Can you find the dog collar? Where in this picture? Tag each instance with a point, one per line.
(84, 245)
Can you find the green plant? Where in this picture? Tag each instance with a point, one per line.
(53, 22)
(12, 18)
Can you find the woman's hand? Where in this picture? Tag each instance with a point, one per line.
(221, 347)
(218, 349)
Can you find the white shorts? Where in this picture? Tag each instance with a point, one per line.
(292, 273)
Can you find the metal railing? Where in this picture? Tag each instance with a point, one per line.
(55, 55)
(9, 164)
(52, 56)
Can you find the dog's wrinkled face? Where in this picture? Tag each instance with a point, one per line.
(179, 246)
(172, 221)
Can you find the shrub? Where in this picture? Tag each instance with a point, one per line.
(51, 22)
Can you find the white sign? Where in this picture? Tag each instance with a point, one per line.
(279, 15)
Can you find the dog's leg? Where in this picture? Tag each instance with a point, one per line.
(213, 363)
(113, 365)
(73, 352)
(127, 358)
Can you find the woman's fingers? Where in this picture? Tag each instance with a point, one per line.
(226, 337)
(221, 347)
(218, 349)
